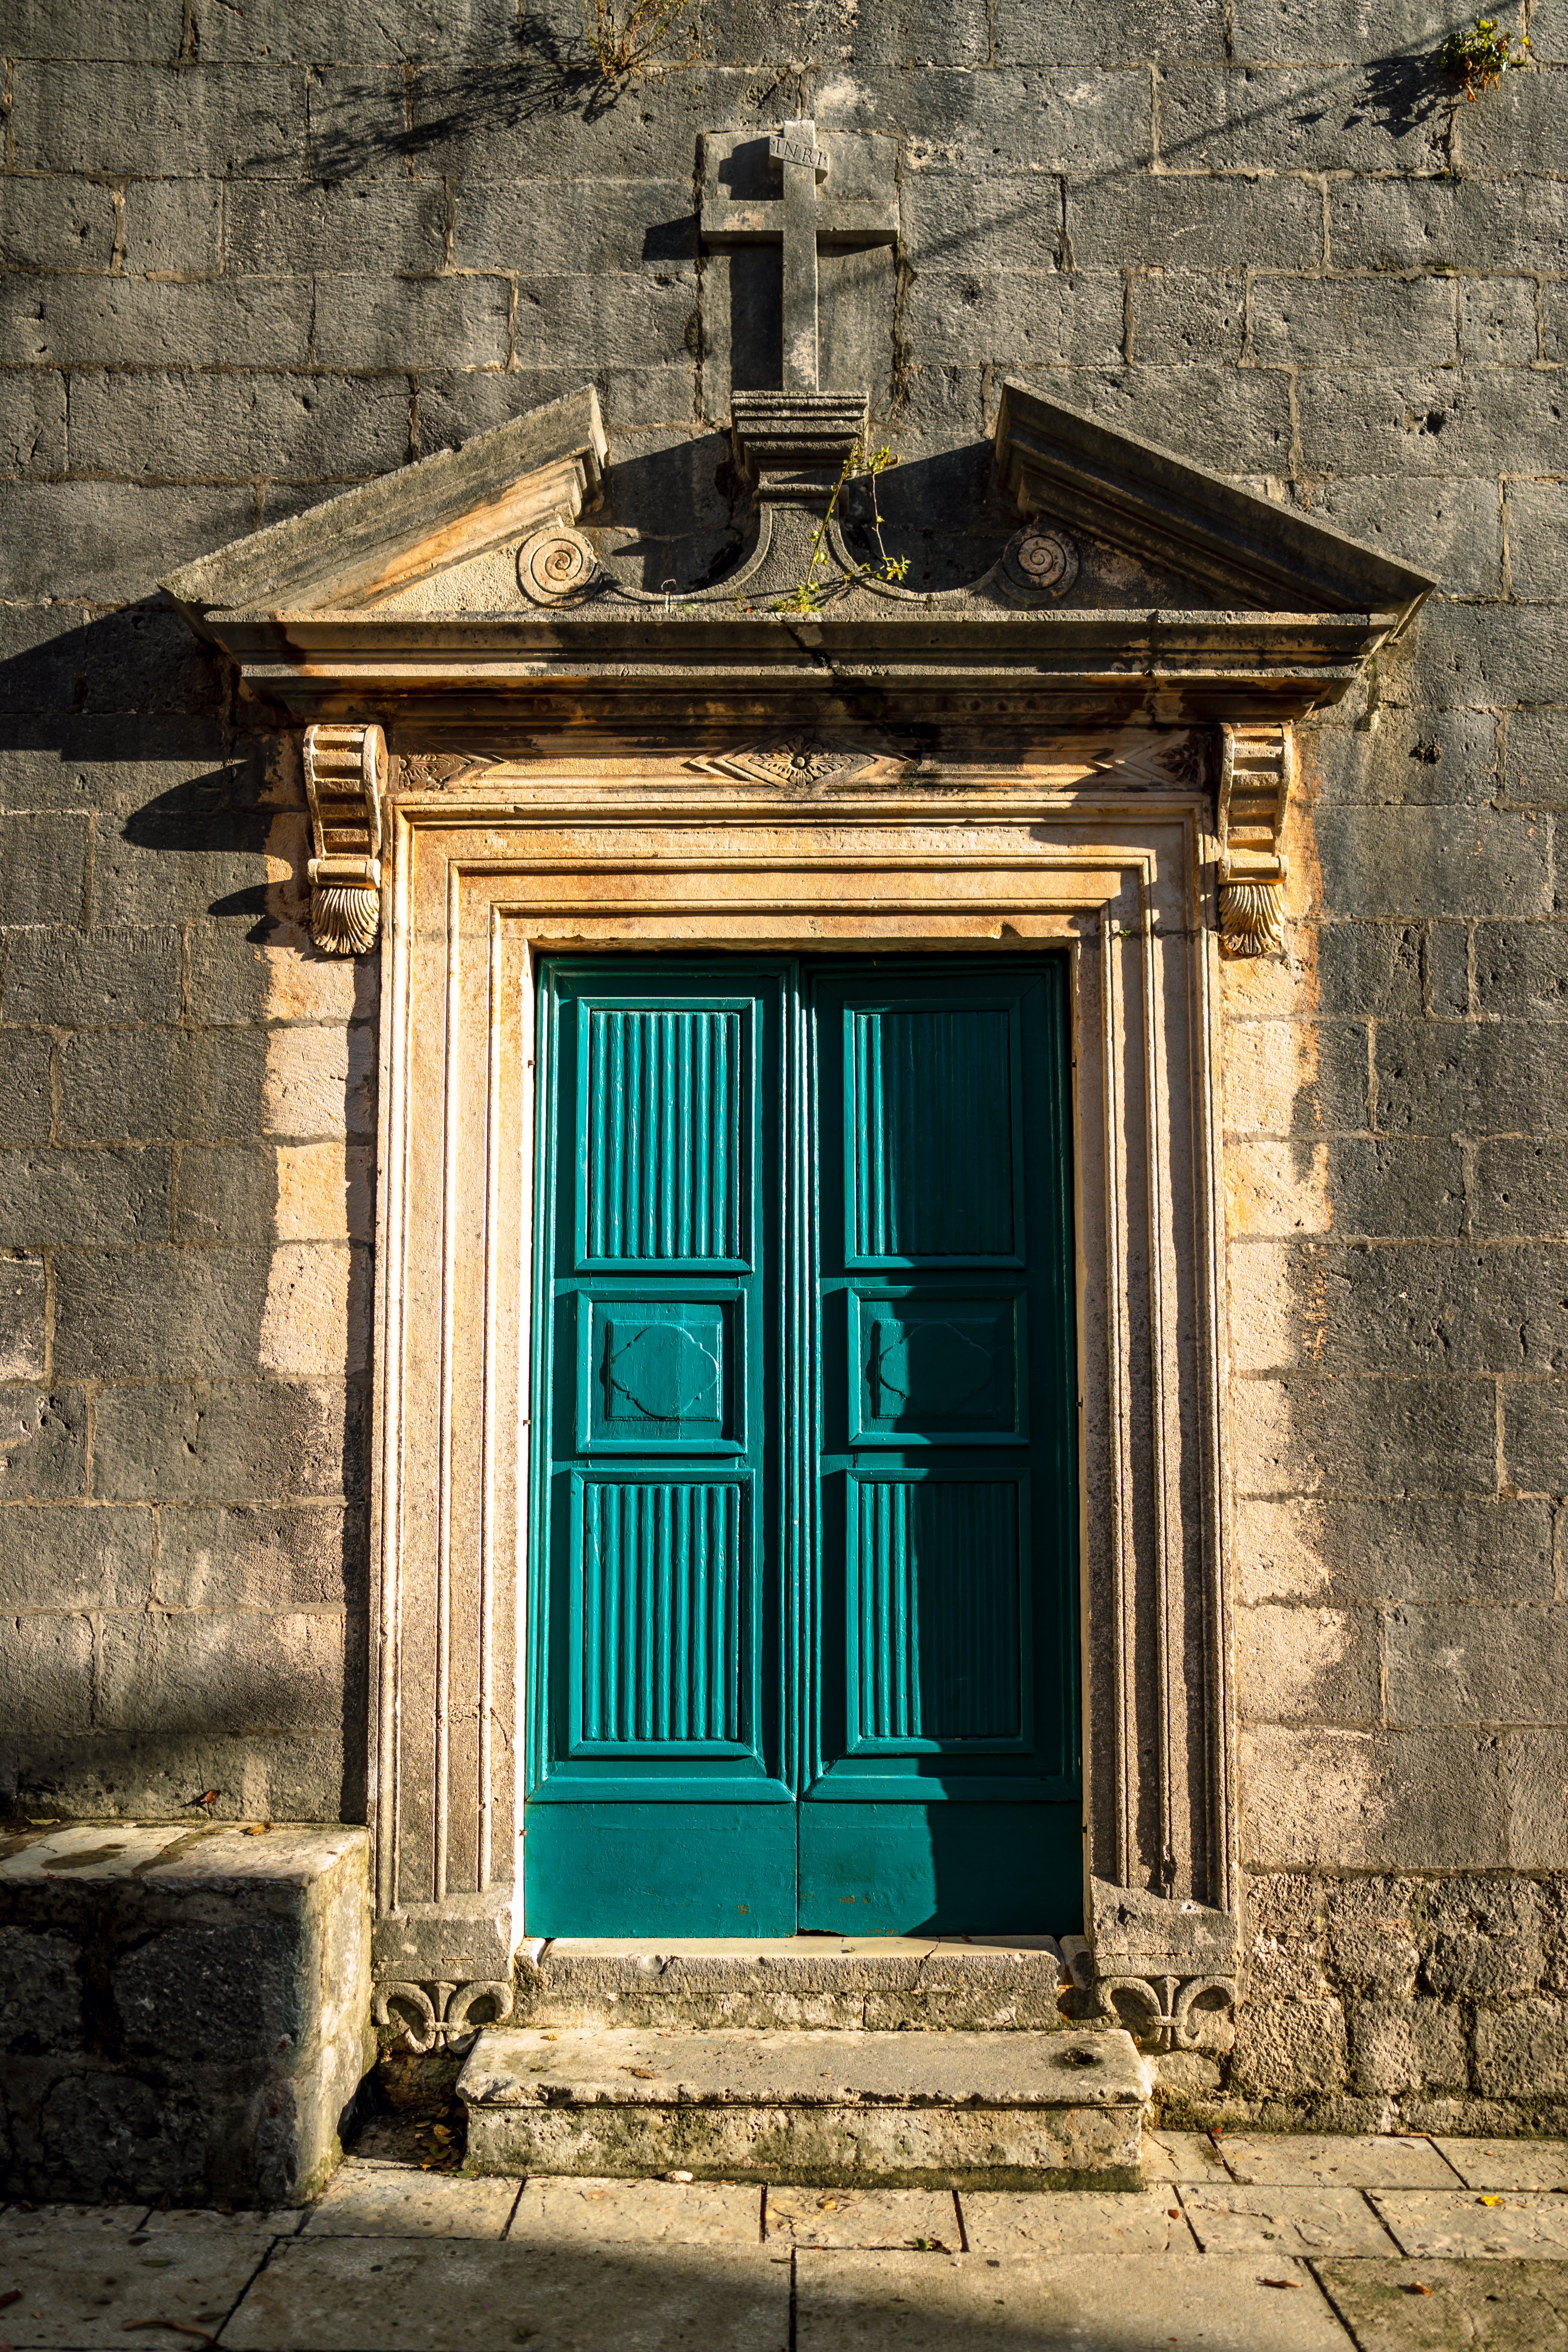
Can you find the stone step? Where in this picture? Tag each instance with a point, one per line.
(1058, 2110)
(977, 1984)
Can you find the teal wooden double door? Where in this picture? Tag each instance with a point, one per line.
(802, 1608)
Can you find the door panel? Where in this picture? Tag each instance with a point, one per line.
(655, 1630)
(943, 1797)
(802, 1613)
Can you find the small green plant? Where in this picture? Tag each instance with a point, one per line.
(1478, 57)
(632, 38)
(810, 596)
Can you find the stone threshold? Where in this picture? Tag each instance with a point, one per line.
(900, 2109)
(849, 1983)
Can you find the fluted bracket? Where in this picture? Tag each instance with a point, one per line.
(345, 774)
(1256, 773)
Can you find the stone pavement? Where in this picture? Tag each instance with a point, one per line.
(1237, 2244)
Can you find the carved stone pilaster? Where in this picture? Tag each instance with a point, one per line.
(345, 775)
(1256, 773)
(435, 2016)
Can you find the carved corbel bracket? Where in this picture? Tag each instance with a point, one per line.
(435, 2016)
(1152, 1962)
(345, 775)
(1256, 773)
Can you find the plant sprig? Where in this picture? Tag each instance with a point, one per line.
(1478, 57)
(810, 596)
(631, 38)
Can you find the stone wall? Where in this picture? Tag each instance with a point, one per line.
(254, 252)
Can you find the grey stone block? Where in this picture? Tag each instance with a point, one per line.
(153, 1083)
(1411, 755)
(1070, 32)
(1396, 1800)
(32, 424)
(1430, 224)
(95, 1776)
(1291, 2046)
(274, 228)
(53, 1198)
(227, 1193)
(953, 220)
(144, 322)
(1520, 1186)
(23, 1318)
(1369, 1931)
(1521, 2052)
(1181, 317)
(1536, 761)
(1245, 413)
(43, 1441)
(1429, 1549)
(518, 227)
(228, 2031)
(366, 321)
(212, 119)
(1535, 1435)
(132, 1314)
(1408, 2045)
(1308, 1433)
(1370, 968)
(361, 31)
(1449, 526)
(1179, 223)
(1445, 1078)
(43, 867)
(1524, 136)
(108, 540)
(217, 1672)
(70, 978)
(1443, 420)
(1021, 320)
(47, 1674)
(309, 1556)
(1306, 1665)
(108, 31)
(64, 1556)
(1537, 1768)
(175, 227)
(607, 319)
(55, 223)
(240, 1442)
(40, 1994)
(1396, 1191)
(1476, 1666)
(1293, 118)
(1448, 962)
(1537, 515)
(25, 1107)
(1401, 30)
(315, 428)
(1498, 321)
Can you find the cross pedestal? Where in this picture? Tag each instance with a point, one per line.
(809, 212)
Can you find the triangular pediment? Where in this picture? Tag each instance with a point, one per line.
(1163, 513)
(404, 531)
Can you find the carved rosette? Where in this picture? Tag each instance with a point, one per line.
(556, 566)
(345, 775)
(431, 2015)
(1256, 773)
(1040, 561)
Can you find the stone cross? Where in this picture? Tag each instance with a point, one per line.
(800, 223)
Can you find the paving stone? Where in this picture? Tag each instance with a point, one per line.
(923, 2219)
(1182, 2156)
(1367, 2160)
(624, 2213)
(369, 2200)
(1427, 2306)
(930, 2303)
(367, 2294)
(1010, 2223)
(1473, 2223)
(1509, 2163)
(1293, 2220)
(87, 2278)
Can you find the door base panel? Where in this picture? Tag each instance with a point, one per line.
(945, 1869)
(660, 1870)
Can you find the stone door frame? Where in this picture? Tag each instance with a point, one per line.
(1108, 857)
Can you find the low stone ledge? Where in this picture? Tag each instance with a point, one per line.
(184, 2012)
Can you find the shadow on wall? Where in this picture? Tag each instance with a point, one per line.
(186, 1172)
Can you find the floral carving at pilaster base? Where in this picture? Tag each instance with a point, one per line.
(436, 2016)
(1162, 2011)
